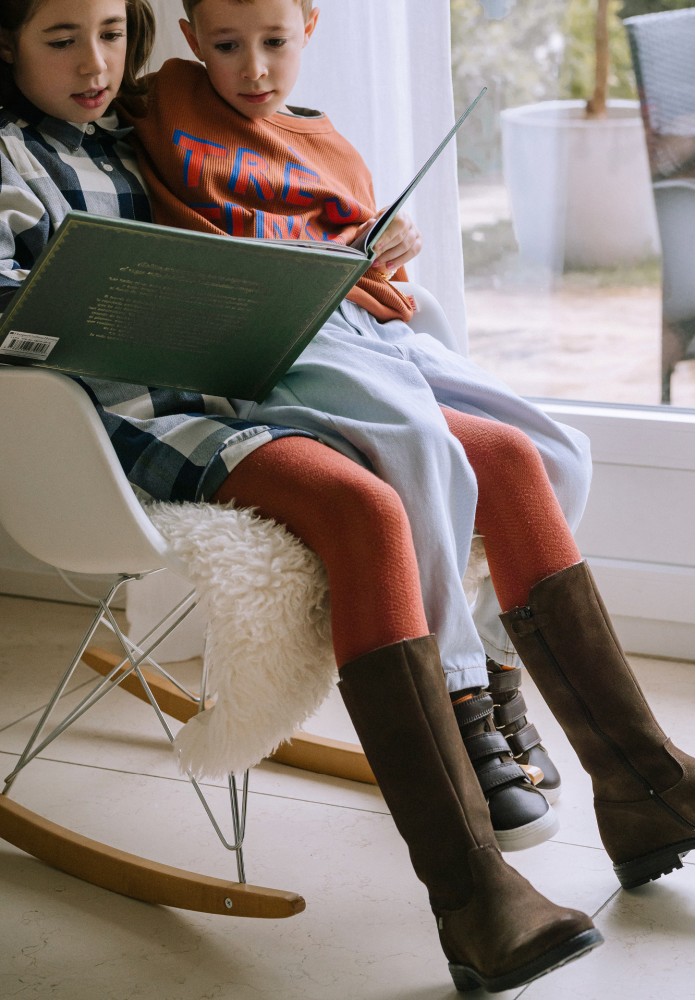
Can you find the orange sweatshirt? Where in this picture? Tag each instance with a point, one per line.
(209, 168)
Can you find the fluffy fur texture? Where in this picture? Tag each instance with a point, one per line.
(268, 645)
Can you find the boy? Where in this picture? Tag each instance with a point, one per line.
(253, 166)
(223, 152)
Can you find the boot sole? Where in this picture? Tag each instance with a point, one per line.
(652, 866)
(522, 837)
(467, 979)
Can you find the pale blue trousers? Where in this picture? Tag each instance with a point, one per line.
(373, 391)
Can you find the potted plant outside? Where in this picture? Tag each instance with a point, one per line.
(577, 173)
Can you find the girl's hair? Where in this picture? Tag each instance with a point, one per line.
(140, 27)
(190, 5)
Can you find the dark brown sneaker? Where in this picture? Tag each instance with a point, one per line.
(520, 815)
(523, 739)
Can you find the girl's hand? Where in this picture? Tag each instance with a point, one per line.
(398, 244)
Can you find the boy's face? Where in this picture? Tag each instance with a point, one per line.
(252, 51)
(68, 59)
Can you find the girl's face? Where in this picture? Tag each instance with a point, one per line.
(252, 51)
(69, 58)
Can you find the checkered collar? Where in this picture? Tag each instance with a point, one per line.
(69, 134)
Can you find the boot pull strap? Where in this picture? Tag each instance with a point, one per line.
(523, 621)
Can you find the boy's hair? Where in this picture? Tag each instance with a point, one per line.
(140, 27)
(190, 6)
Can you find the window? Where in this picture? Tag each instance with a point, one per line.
(563, 266)
(565, 304)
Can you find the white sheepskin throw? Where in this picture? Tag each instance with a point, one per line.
(268, 649)
(268, 646)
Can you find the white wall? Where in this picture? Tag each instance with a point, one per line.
(638, 529)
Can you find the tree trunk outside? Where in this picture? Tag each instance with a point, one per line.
(597, 104)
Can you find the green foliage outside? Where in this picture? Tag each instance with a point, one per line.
(518, 57)
(577, 69)
(576, 77)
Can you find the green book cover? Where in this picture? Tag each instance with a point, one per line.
(135, 302)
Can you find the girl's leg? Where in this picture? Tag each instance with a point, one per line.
(361, 397)
(462, 385)
(357, 526)
(395, 694)
(527, 538)
(524, 531)
(555, 617)
(495, 929)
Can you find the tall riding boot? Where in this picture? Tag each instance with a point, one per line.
(643, 786)
(496, 930)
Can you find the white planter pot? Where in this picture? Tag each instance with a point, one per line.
(579, 188)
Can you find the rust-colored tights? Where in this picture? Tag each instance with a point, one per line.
(357, 526)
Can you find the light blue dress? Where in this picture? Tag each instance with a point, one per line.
(373, 391)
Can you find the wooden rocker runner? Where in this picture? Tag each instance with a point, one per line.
(74, 509)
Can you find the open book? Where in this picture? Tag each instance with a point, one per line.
(136, 302)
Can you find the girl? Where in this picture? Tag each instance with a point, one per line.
(65, 61)
(375, 589)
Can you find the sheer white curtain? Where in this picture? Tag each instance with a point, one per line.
(381, 70)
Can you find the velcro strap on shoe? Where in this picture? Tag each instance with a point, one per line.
(504, 681)
(496, 773)
(524, 739)
(485, 745)
(510, 711)
(473, 710)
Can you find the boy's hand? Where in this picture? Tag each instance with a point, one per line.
(399, 243)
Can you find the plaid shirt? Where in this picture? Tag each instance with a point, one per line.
(172, 445)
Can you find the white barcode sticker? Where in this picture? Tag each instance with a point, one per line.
(28, 345)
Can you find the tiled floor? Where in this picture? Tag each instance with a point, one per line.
(366, 933)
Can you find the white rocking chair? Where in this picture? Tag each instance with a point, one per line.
(53, 447)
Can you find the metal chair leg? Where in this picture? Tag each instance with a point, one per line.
(103, 865)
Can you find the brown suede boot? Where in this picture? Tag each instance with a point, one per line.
(643, 786)
(496, 930)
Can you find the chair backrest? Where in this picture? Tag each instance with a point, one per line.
(662, 49)
(63, 495)
(430, 316)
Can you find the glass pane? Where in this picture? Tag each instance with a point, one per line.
(562, 250)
